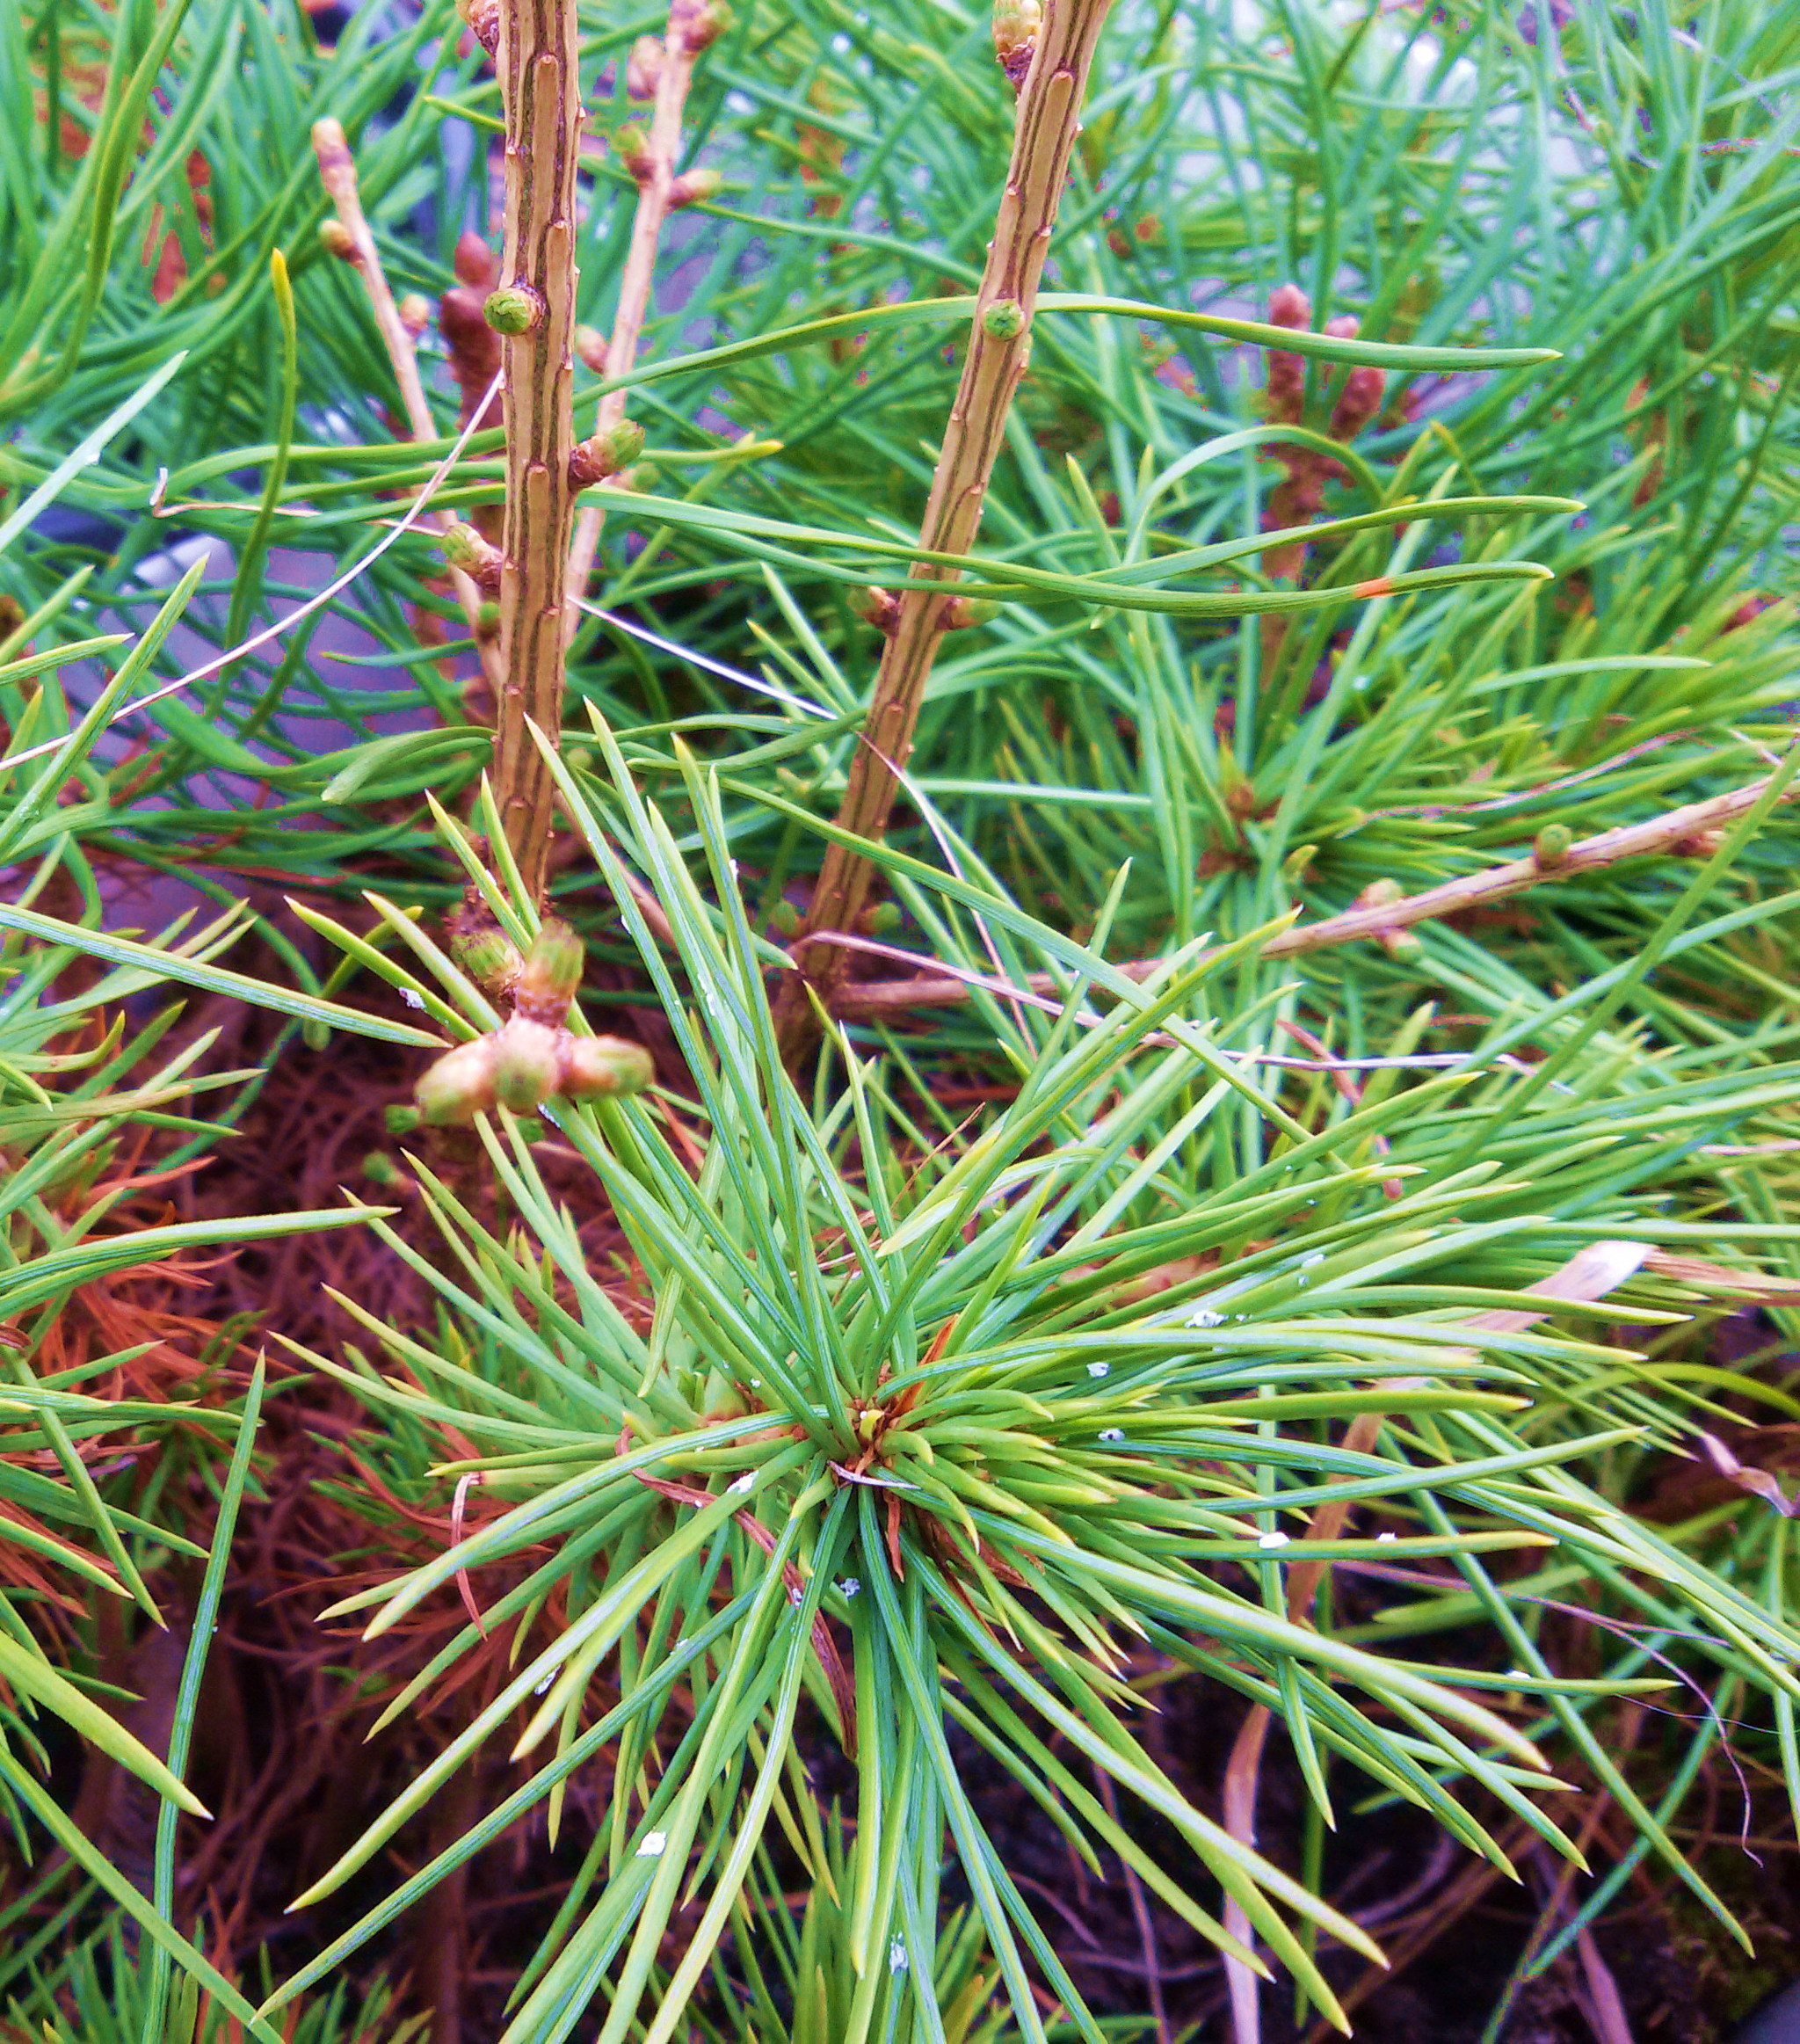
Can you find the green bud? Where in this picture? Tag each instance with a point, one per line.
(488, 956)
(514, 308)
(551, 972)
(1550, 847)
(524, 1064)
(1003, 319)
(695, 188)
(631, 144)
(1294, 866)
(598, 1068)
(401, 1120)
(878, 606)
(606, 453)
(381, 1169)
(464, 547)
(785, 918)
(459, 1087)
(882, 920)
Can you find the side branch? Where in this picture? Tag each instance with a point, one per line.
(1690, 830)
(355, 243)
(651, 161)
(1055, 61)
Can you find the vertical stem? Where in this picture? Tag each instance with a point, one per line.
(540, 92)
(337, 174)
(688, 33)
(1000, 348)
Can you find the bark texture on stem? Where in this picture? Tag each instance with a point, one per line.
(1690, 830)
(541, 93)
(337, 174)
(999, 346)
(691, 26)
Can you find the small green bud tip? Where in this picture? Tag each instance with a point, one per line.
(525, 1065)
(512, 309)
(695, 187)
(401, 1120)
(882, 920)
(785, 918)
(1550, 847)
(606, 453)
(381, 1169)
(602, 1067)
(624, 442)
(1003, 319)
(551, 972)
(463, 546)
(459, 1087)
(488, 958)
(1294, 866)
(879, 607)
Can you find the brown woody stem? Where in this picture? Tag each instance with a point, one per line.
(1660, 834)
(337, 174)
(540, 94)
(655, 180)
(999, 345)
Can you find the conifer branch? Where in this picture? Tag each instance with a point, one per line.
(1054, 54)
(663, 71)
(1691, 831)
(354, 243)
(537, 64)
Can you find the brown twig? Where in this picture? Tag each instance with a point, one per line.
(1048, 119)
(693, 25)
(537, 64)
(337, 174)
(1691, 829)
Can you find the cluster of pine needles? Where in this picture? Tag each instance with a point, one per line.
(1256, 1301)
